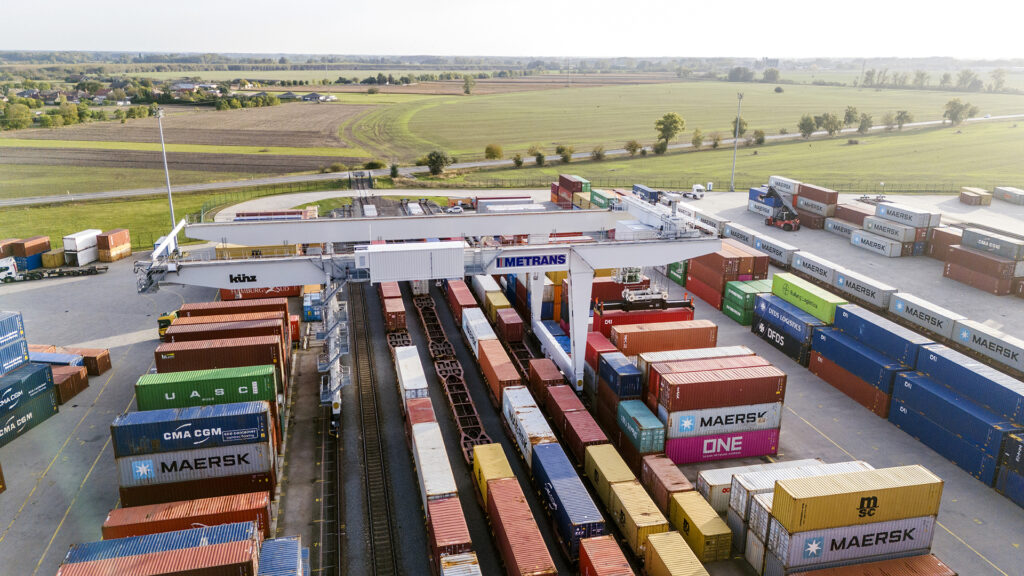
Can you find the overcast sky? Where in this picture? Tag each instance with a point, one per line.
(787, 29)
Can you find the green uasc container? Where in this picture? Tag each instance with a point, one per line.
(742, 316)
(645, 432)
(206, 387)
(806, 296)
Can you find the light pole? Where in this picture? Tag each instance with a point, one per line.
(736, 141)
(167, 173)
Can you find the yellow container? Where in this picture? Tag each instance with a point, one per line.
(605, 467)
(604, 272)
(495, 301)
(234, 251)
(581, 200)
(53, 258)
(636, 514)
(558, 276)
(804, 504)
(701, 527)
(489, 463)
(311, 289)
(668, 555)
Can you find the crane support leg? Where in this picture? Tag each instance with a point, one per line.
(581, 282)
(536, 280)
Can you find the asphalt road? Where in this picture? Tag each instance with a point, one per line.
(213, 186)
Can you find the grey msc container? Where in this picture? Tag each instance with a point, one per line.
(811, 266)
(877, 244)
(779, 252)
(714, 484)
(907, 215)
(889, 229)
(840, 227)
(993, 243)
(740, 233)
(990, 342)
(745, 486)
(814, 207)
(1009, 194)
(867, 289)
(783, 184)
(759, 208)
(920, 312)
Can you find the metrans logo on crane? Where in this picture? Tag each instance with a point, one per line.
(528, 261)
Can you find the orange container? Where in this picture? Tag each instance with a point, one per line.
(662, 478)
(543, 373)
(279, 305)
(394, 314)
(173, 516)
(633, 339)
(497, 368)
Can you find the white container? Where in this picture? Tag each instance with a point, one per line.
(739, 233)
(634, 230)
(809, 549)
(877, 244)
(644, 361)
(464, 564)
(754, 553)
(932, 318)
(811, 266)
(475, 327)
(761, 515)
(867, 289)
(779, 252)
(82, 257)
(185, 465)
(414, 209)
(840, 227)
(81, 240)
(420, 287)
(782, 184)
(412, 381)
(482, 284)
(889, 229)
(906, 215)
(714, 484)
(727, 420)
(509, 208)
(412, 261)
(513, 397)
(759, 208)
(819, 208)
(989, 342)
(712, 221)
(433, 471)
(528, 425)
(1009, 194)
(745, 486)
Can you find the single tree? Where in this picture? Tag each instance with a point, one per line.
(946, 80)
(903, 117)
(17, 116)
(771, 75)
(597, 154)
(564, 152)
(759, 137)
(394, 170)
(889, 121)
(869, 78)
(920, 78)
(517, 161)
(851, 116)
(467, 84)
(742, 129)
(957, 111)
(493, 152)
(69, 112)
(819, 122)
(716, 140)
(669, 126)
(806, 125)
(632, 147)
(778, 90)
(660, 147)
(966, 79)
(740, 74)
(535, 149)
(866, 122)
(698, 139)
(998, 77)
(437, 161)
(832, 123)
(539, 158)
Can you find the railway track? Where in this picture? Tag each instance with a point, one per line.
(328, 551)
(378, 498)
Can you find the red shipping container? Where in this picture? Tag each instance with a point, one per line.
(606, 414)
(926, 565)
(733, 247)
(418, 410)
(570, 183)
(186, 514)
(713, 279)
(554, 189)
(543, 373)
(516, 535)
(855, 213)
(394, 314)
(984, 263)
(239, 558)
(941, 240)
(42, 348)
(30, 246)
(279, 305)
(991, 284)
(662, 478)
(7, 247)
(224, 353)
(69, 381)
(656, 371)
(218, 318)
(811, 220)
(860, 391)
(113, 239)
(606, 289)
(222, 330)
(96, 360)
(636, 339)
(704, 292)
(818, 193)
(259, 293)
(605, 319)
(597, 344)
(193, 489)
(447, 530)
(581, 430)
(601, 556)
(510, 325)
(723, 262)
(719, 388)
(560, 401)
(497, 368)
(389, 290)
(293, 327)
(459, 298)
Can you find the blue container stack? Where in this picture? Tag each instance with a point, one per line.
(161, 542)
(566, 498)
(281, 557)
(784, 326)
(26, 263)
(27, 395)
(621, 376)
(176, 429)
(311, 311)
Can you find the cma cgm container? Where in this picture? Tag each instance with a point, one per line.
(668, 555)
(190, 539)
(28, 415)
(601, 556)
(806, 296)
(156, 518)
(998, 244)
(176, 429)
(718, 388)
(714, 485)
(516, 535)
(526, 421)
(636, 515)
(198, 464)
(662, 478)
(434, 472)
(14, 354)
(804, 504)
(232, 558)
(723, 446)
(497, 368)
(605, 467)
(412, 382)
(581, 431)
(23, 384)
(701, 527)
(574, 513)
(459, 298)
(489, 463)
(635, 339)
(226, 353)
(12, 327)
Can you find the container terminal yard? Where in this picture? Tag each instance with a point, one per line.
(548, 383)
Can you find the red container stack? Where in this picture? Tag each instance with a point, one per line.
(224, 353)
(562, 400)
(96, 360)
(942, 239)
(862, 392)
(854, 212)
(543, 373)
(30, 246)
(447, 531)
(636, 339)
(719, 388)
(279, 305)
(114, 245)
(460, 297)
(581, 430)
(707, 275)
(597, 344)
(516, 535)
(662, 478)
(173, 516)
(192, 489)
(509, 325)
(239, 558)
(601, 556)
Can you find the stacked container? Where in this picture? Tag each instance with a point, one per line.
(27, 393)
(975, 196)
(459, 298)
(32, 253)
(114, 245)
(634, 339)
(80, 248)
(605, 320)
(986, 260)
(942, 239)
(171, 516)
(223, 353)
(652, 364)
(787, 318)
(706, 276)
(516, 534)
(617, 379)
(739, 297)
(574, 514)
(715, 484)
(896, 230)
(704, 531)
(639, 433)
(814, 204)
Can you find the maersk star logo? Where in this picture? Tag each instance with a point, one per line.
(757, 244)
(965, 335)
(686, 424)
(881, 210)
(814, 547)
(899, 306)
(142, 469)
(841, 280)
(763, 306)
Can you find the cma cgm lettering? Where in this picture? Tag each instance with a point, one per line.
(531, 261)
(722, 446)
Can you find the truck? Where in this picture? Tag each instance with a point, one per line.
(783, 215)
(164, 322)
(9, 272)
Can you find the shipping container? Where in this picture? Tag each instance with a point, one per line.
(917, 565)
(605, 320)
(760, 516)
(433, 469)
(12, 327)
(861, 361)
(604, 467)
(992, 343)
(760, 208)
(489, 463)
(841, 227)
(459, 565)
(234, 307)
(877, 244)
(880, 334)
(775, 334)
(581, 431)
(281, 557)
(907, 215)
(459, 297)
(668, 555)
(779, 252)
(447, 530)
(56, 358)
(223, 330)
(639, 338)
(23, 384)
(806, 296)
(784, 185)
(714, 484)
(527, 424)
(919, 312)
(69, 381)
(412, 381)
(196, 464)
(985, 263)
(739, 232)
(388, 290)
(96, 360)
(816, 547)
(205, 387)
(498, 370)
(113, 238)
(495, 301)
(597, 344)
(987, 386)
(804, 504)
(222, 353)
(662, 478)
(635, 514)
(516, 535)
(567, 501)
(196, 489)
(560, 401)
(601, 556)
(543, 373)
(172, 516)
(890, 229)
(701, 290)
(475, 328)
(621, 376)
(725, 420)
(179, 429)
(1010, 483)
(394, 314)
(230, 559)
(162, 542)
(81, 240)
(225, 318)
(864, 289)
(818, 193)
(657, 371)
(998, 244)
(640, 427)
(418, 410)
(28, 415)
(701, 527)
(719, 388)
(860, 391)
(15, 353)
(482, 285)
(1013, 453)
(745, 486)
(991, 284)
(723, 446)
(645, 362)
(509, 325)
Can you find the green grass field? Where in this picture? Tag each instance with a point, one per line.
(254, 76)
(188, 148)
(17, 181)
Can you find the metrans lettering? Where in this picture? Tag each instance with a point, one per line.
(876, 539)
(525, 261)
(227, 461)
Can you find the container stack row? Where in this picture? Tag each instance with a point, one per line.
(28, 396)
(71, 367)
(565, 191)
(708, 275)
(973, 196)
(739, 299)
(813, 204)
(31, 253)
(986, 260)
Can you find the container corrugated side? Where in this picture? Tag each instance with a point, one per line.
(662, 478)
(918, 311)
(641, 427)
(232, 558)
(182, 515)
(497, 367)
(866, 289)
(645, 361)
(761, 515)
(12, 326)
(187, 465)
(449, 533)
(636, 515)
(755, 552)
(1005, 246)
(745, 486)
(719, 388)
(581, 430)
(28, 415)
(877, 244)
(714, 484)
(162, 542)
(204, 387)
(916, 565)
(562, 400)
(206, 488)
(281, 557)
(792, 320)
(658, 370)
(412, 381)
(529, 427)
(15, 354)
(461, 565)
(881, 334)
(619, 374)
(804, 504)
(725, 420)
(433, 470)
(516, 534)
(489, 463)
(701, 527)
(24, 384)
(983, 384)
(1003, 348)
(566, 499)
(482, 285)
(808, 549)
(605, 467)
(668, 555)
(907, 215)
(863, 362)
(633, 339)
(476, 328)
(806, 296)
(175, 429)
(601, 556)
(815, 267)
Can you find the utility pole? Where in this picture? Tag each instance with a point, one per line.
(736, 141)
(167, 173)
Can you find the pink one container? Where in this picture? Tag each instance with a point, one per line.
(723, 446)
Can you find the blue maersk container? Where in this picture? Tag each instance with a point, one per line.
(23, 384)
(281, 557)
(758, 195)
(1011, 484)
(790, 319)
(885, 336)
(964, 454)
(55, 358)
(12, 327)
(163, 542)
(619, 374)
(174, 429)
(987, 386)
(13, 354)
(856, 358)
(28, 415)
(573, 510)
(32, 262)
(953, 412)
